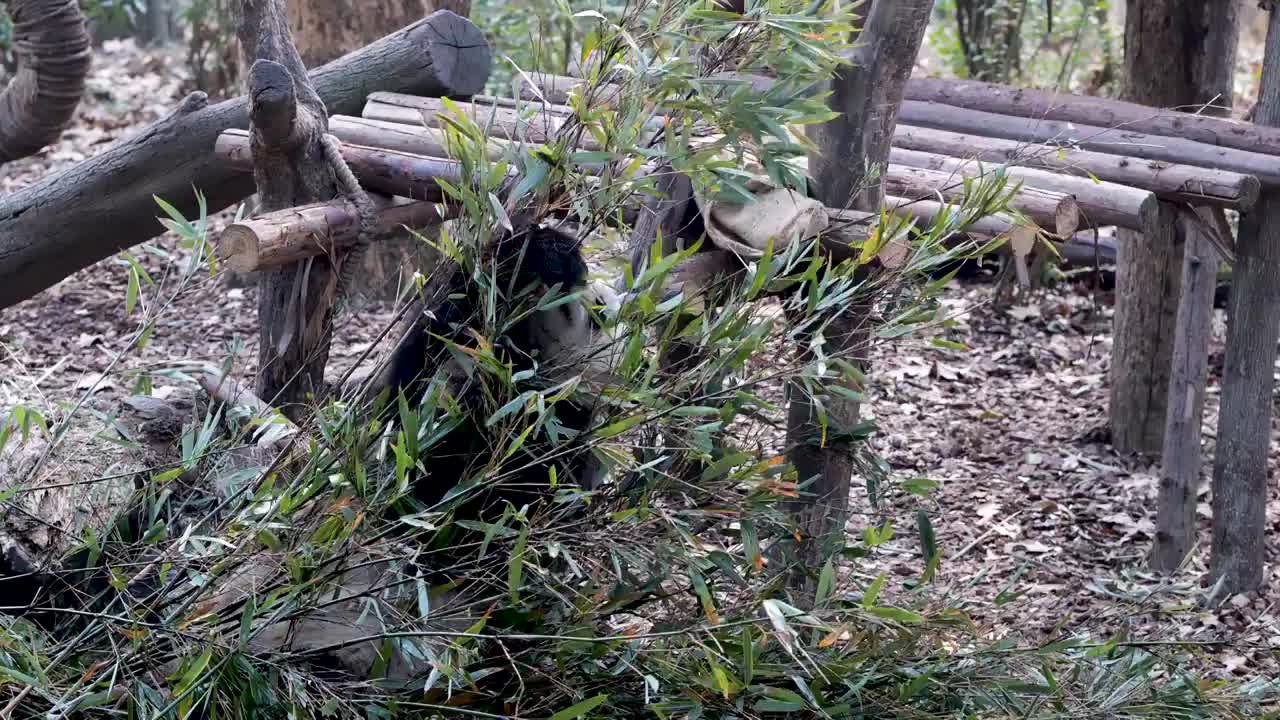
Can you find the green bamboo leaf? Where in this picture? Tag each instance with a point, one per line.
(515, 567)
(580, 709)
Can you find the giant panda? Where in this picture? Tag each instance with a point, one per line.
(548, 344)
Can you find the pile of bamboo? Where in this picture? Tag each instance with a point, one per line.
(1081, 162)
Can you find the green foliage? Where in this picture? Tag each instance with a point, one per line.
(1041, 43)
(662, 594)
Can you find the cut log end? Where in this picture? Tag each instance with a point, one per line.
(273, 104)
(460, 57)
(1067, 217)
(239, 248)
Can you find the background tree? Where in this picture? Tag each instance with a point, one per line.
(1173, 59)
(823, 417)
(1240, 465)
(327, 29)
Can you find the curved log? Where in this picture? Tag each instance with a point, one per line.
(53, 48)
(54, 228)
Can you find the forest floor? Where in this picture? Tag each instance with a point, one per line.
(1044, 529)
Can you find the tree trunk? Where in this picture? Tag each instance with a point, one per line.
(326, 29)
(1212, 80)
(867, 94)
(1168, 62)
(54, 228)
(990, 37)
(52, 44)
(1181, 457)
(159, 22)
(1244, 425)
(287, 122)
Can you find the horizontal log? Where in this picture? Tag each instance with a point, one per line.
(1104, 112)
(54, 228)
(1101, 203)
(385, 171)
(1210, 180)
(1089, 137)
(928, 211)
(415, 140)
(500, 122)
(287, 236)
(1169, 181)
(1056, 212)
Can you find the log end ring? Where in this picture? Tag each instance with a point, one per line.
(238, 248)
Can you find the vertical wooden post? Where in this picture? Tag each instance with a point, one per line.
(1189, 372)
(867, 93)
(287, 122)
(1213, 80)
(1173, 58)
(1244, 420)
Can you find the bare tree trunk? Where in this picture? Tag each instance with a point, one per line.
(287, 122)
(159, 22)
(326, 29)
(1172, 54)
(867, 94)
(1211, 80)
(1244, 424)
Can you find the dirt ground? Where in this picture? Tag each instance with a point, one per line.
(1033, 509)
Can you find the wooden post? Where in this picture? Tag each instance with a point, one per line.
(287, 122)
(1244, 420)
(1167, 58)
(1181, 459)
(867, 93)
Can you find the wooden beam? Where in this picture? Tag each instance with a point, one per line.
(287, 236)
(1101, 203)
(1093, 138)
(1170, 181)
(1183, 122)
(386, 171)
(1056, 212)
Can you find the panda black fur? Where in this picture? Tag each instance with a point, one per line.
(554, 341)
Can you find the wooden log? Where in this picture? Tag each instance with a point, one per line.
(1104, 112)
(1056, 212)
(385, 171)
(500, 122)
(1100, 203)
(230, 393)
(1181, 456)
(1169, 181)
(294, 234)
(400, 137)
(1094, 138)
(927, 212)
(55, 227)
